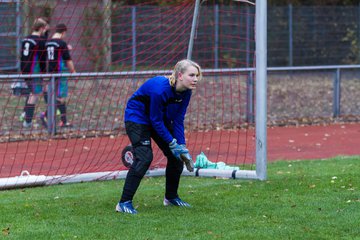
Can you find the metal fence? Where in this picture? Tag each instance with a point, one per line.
(313, 35)
(297, 36)
(295, 95)
(9, 34)
(324, 40)
(317, 94)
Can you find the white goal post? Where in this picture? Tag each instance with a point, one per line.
(261, 97)
(261, 89)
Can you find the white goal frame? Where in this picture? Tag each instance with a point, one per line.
(260, 172)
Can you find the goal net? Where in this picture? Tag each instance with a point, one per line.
(115, 47)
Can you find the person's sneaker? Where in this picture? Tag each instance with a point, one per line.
(125, 207)
(43, 119)
(27, 125)
(22, 117)
(175, 202)
(65, 125)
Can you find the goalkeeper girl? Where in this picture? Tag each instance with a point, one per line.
(157, 111)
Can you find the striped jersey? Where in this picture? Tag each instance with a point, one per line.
(57, 54)
(33, 54)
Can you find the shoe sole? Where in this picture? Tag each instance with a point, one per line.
(167, 203)
(117, 208)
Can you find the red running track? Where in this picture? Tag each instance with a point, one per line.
(72, 156)
(313, 142)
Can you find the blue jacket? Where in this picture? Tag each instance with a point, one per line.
(157, 104)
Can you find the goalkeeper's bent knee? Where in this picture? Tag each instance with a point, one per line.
(143, 159)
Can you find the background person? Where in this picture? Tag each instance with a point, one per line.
(59, 61)
(33, 60)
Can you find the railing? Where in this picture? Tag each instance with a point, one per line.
(249, 72)
(336, 81)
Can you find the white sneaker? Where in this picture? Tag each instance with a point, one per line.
(22, 117)
(27, 125)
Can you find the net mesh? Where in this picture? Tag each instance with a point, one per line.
(116, 48)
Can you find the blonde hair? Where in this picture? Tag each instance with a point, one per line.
(181, 67)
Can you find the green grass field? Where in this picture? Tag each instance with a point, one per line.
(317, 199)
